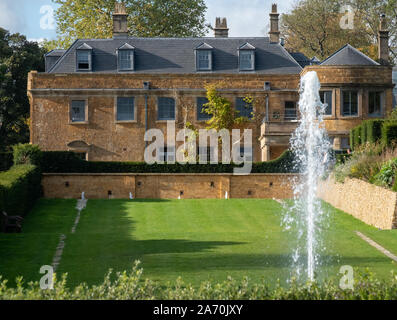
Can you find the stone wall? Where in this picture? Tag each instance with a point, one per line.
(167, 186)
(373, 205)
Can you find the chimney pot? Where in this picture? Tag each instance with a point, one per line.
(120, 25)
(383, 41)
(221, 30)
(274, 25)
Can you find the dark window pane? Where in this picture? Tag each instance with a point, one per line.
(245, 109)
(326, 98)
(246, 60)
(77, 112)
(166, 109)
(125, 109)
(200, 114)
(350, 103)
(83, 59)
(290, 111)
(126, 59)
(203, 60)
(375, 103)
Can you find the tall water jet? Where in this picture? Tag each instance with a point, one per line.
(311, 147)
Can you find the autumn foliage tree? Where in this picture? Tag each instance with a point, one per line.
(314, 28)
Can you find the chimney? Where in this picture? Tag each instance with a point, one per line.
(120, 26)
(383, 41)
(274, 28)
(221, 29)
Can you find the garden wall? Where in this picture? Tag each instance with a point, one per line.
(371, 204)
(167, 186)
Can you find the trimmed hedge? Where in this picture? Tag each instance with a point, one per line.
(69, 162)
(19, 188)
(389, 133)
(356, 137)
(373, 131)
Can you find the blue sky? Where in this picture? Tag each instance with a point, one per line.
(245, 17)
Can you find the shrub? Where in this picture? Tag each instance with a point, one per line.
(131, 286)
(356, 132)
(26, 154)
(68, 162)
(389, 133)
(363, 164)
(386, 175)
(363, 133)
(19, 189)
(373, 130)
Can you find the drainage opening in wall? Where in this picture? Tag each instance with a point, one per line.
(181, 193)
(67, 184)
(139, 183)
(212, 184)
(249, 192)
(271, 184)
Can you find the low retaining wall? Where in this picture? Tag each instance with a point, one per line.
(167, 186)
(374, 205)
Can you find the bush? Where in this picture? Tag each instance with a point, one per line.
(132, 286)
(373, 130)
(341, 158)
(356, 132)
(26, 154)
(19, 189)
(387, 173)
(69, 162)
(389, 133)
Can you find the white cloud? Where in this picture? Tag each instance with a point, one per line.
(38, 40)
(245, 18)
(9, 17)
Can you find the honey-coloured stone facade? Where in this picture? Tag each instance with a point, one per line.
(109, 140)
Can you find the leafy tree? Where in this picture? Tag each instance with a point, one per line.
(82, 19)
(17, 57)
(369, 11)
(313, 27)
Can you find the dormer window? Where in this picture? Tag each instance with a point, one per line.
(125, 57)
(247, 57)
(204, 57)
(84, 58)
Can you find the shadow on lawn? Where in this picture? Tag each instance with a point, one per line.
(105, 240)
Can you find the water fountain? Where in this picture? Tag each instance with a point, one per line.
(311, 147)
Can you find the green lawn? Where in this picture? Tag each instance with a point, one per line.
(195, 239)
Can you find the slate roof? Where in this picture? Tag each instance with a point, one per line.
(301, 59)
(55, 53)
(348, 55)
(177, 55)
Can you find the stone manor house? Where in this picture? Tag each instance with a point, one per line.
(99, 97)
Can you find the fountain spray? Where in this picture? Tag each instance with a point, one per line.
(311, 147)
